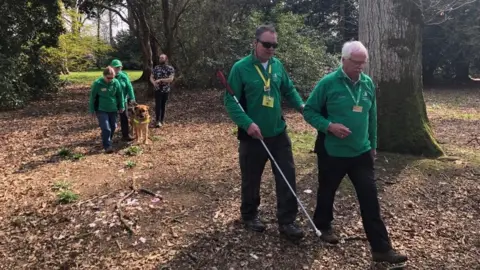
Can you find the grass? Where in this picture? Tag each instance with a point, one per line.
(66, 153)
(65, 194)
(302, 142)
(87, 77)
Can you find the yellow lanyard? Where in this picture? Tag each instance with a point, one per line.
(266, 82)
(356, 101)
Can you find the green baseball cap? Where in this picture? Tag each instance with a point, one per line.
(116, 63)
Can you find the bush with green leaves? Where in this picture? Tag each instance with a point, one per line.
(27, 28)
(229, 37)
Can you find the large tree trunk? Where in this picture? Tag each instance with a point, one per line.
(391, 30)
(462, 69)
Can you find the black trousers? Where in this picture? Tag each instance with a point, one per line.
(124, 122)
(160, 104)
(360, 170)
(253, 158)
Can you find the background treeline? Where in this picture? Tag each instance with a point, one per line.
(42, 39)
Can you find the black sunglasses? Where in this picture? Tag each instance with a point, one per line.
(268, 45)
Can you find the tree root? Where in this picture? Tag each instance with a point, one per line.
(120, 213)
(134, 189)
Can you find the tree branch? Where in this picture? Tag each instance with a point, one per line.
(177, 19)
(118, 13)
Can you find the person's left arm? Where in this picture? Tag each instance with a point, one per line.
(128, 84)
(372, 123)
(287, 88)
(120, 98)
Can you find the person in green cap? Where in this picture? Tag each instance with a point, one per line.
(128, 95)
(106, 100)
(259, 82)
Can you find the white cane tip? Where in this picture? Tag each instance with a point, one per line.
(318, 233)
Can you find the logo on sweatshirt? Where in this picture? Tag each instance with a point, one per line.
(103, 89)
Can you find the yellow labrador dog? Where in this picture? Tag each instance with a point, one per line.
(140, 122)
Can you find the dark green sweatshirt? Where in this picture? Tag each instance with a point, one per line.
(126, 85)
(331, 93)
(248, 87)
(106, 97)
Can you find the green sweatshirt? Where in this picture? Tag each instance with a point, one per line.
(106, 97)
(126, 85)
(331, 93)
(248, 86)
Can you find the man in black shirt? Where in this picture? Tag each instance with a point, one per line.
(161, 78)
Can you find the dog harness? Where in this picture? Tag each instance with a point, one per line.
(138, 122)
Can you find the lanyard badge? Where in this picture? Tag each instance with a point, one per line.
(356, 107)
(268, 100)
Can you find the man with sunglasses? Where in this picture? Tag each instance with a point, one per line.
(342, 107)
(259, 81)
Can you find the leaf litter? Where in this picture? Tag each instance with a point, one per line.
(431, 208)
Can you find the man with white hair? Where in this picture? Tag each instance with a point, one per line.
(342, 107)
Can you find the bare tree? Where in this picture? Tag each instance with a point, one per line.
(437, 11)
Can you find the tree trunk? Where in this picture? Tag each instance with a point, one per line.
(155, 50)
(462, 69)
(99, 23)
(428, 75)
(341, 17)
(110, 27)
(391, 30)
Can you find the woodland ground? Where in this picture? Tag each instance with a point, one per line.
(431, 207)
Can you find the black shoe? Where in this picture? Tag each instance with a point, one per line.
(291, 231)
(390, 256)
(109, 150)
(127, 139)
(329, 237)
(254, 224)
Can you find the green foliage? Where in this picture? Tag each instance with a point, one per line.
(302, 51)
(87, 77)
(67, 196)
(127, 48)
(133, 151)
(66, 153)
(459, 41)
(64, 193)
(230, 35)
(130, 164)
(28, 28)
(78, 52)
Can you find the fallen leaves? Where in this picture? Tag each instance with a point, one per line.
(432, 213)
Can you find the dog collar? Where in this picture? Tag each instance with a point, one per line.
(138, 122)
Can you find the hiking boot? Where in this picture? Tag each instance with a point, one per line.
(109, 150)
(291, 231)
(254, 224)
(390, 256)
(158, 124)
(329, 237)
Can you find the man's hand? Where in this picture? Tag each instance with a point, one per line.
(254, 131)
(121, 111)
(339, 130)
(373, 152)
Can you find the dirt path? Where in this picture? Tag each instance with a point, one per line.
(431, 207)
